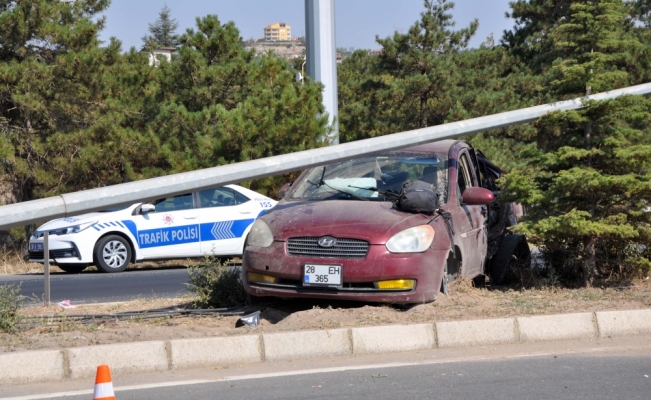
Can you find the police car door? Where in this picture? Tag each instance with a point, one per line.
(172, 230)
(225, 215)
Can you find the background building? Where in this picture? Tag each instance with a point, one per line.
(278, 32)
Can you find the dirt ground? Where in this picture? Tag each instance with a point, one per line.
(465, 302)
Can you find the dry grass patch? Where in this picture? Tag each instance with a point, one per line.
(464, 303)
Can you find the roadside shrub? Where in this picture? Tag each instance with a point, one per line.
(560, 264)
(216, 285)
(10, 302)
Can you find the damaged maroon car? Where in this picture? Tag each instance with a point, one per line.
(340, 233)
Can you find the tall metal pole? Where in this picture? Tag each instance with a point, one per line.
(321, 52)
(46, 268)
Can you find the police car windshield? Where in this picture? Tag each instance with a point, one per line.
(374, 178)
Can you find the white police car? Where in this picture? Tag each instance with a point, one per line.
(209, 222)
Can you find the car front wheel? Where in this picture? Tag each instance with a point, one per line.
(112, 254)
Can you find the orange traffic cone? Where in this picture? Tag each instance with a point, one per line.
(103, 384)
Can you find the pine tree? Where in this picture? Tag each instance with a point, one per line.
(589, 177)
(162, 31)
(218, 104)
(411, 84)
(48, 79)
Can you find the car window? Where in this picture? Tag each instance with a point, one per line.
(221, 197)
(176, 203)
(463, 175)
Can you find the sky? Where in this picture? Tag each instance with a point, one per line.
(357, 21)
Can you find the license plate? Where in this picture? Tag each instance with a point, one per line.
(36, 246)
(322, 275)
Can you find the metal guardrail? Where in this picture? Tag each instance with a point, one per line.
(128, 193)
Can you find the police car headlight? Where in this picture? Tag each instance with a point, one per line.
(260, 235)
(412, 240)
(72, 229)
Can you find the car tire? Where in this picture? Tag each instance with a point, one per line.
(72, 268)
(112, 254)
(253, 301)
(451, 264)
(512, 251)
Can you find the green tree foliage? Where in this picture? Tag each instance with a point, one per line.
(530, 39)
(427, 77)
(49, 88)
(218, 105)
(588, 177)
(412, 82)
(162, 31)
(75, 115)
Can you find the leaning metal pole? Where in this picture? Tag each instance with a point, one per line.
(321, 54)
(155, 188)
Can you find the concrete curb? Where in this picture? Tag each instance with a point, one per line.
(53, 365)
(613, 323)
(475, 333)
(557, 327)
(386, 339)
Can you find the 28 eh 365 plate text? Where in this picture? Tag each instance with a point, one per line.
(322, 275)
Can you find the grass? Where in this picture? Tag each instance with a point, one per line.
(216, 285)
(10, 301)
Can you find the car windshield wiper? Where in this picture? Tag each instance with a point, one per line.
(321, 181)
(385, 193)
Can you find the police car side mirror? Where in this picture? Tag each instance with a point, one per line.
(147, 208)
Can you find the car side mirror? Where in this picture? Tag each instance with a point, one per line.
(476, 196)
(147, 208)
(283, 190)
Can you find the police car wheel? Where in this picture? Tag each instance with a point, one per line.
(112, 254)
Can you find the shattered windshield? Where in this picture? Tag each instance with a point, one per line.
(372, 178)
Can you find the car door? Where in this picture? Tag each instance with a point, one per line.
(225, 215)
(469, 220)
(172, 230)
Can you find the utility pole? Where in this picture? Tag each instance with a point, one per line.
(321, 55)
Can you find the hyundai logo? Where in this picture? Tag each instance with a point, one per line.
(327, 241)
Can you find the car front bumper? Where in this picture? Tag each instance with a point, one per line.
(359, 275)
(61, 251)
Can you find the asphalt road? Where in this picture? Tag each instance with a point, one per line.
(95, 287)
(549, 376)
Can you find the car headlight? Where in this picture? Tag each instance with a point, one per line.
(412, 240)
(71, 229)
(260, 235)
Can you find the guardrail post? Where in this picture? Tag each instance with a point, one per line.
(46, 267)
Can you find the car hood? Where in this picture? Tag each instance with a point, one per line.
(77, 220)
(373, 221)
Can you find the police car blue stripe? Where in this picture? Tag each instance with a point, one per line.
(120, 224)
(224, 230)
(113, 223)
(96, 228)
(131, 226)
